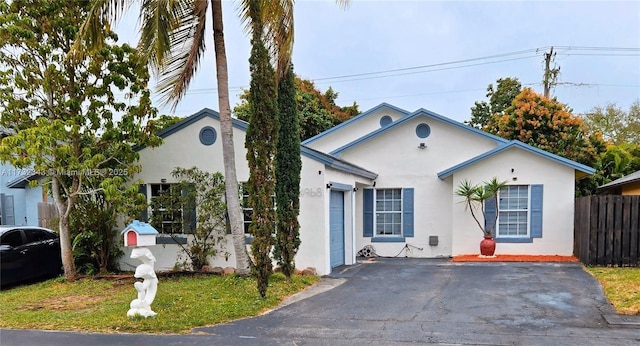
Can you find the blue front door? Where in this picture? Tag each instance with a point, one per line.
(336, 226)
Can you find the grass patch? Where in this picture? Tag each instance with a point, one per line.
(182, 303)
(621, 286)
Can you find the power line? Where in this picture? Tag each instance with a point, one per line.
(431, 65)
(562, 84)
(417, 72)
(534, 52)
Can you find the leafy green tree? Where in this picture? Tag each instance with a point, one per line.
(500, 99)
(317, 111)
(94, 232)
(288, 167)
(173, 41)
(616, 125)
(616, 162)
(164, 121)
(198, 203)
(549, 125)
(261, 143)
(64, 111)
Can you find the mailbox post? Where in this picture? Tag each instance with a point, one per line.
(139, 235)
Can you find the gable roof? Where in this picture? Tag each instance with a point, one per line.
(355, 119)
(517, 144)
(205, 112)
(336, 163)
(629, 178)
(321, 157)
(141, 228)
(419, 113)
(21, 182)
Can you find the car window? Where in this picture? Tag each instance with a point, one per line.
(12, 238)
(35, 235)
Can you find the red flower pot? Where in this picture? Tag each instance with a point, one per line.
(487, 246)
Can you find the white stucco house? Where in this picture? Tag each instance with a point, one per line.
(386, 178)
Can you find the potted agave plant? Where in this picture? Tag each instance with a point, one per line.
(474, 199)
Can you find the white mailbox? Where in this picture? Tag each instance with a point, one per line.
(139, 234)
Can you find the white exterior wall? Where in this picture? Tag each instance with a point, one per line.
(395, 156)
(558, 201)
(313, 243)
(183, 149)
(354, 130)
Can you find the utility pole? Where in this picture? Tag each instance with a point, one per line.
(550, 74)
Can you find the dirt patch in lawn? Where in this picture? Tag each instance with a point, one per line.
(71, 303)
(514, 258)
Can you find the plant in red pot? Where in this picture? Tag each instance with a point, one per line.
(474, 199)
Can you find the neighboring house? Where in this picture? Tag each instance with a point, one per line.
(387, 178)
(627, 185)
(18, 201)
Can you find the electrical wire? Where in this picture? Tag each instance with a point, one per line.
(533, 52)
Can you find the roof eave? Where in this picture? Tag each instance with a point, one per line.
(581, 170)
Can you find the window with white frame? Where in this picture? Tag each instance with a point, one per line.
(247, 211)
(388, 208)
(166, 211)
(513, 211)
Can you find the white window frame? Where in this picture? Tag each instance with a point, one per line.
(170, 222)
(244, 203)
(376, 212)
(527, 218)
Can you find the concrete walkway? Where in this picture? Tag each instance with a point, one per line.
(412, 301)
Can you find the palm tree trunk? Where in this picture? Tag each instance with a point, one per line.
(226, 135)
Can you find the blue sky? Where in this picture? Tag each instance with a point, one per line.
(375, 36)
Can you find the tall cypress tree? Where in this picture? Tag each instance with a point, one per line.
(288, 166)
(261, 141)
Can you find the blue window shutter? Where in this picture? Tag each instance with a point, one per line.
(367, 213)
(8, 212)
(189, 193)
(407, 212)
(490, 210)
(144, 217)
(536, 211)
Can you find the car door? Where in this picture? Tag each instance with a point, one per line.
(13, 259)
(44, 250)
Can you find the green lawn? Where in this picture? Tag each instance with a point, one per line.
(100, 305)
(622, 287)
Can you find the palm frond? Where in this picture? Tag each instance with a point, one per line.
(159, 19)
(277, 17)
(93, 31)
(186, 46)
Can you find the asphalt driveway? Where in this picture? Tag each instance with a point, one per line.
(413, 301)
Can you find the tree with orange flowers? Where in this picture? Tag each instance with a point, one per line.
(549, 125)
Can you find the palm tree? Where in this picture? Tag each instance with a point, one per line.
(173, 40)
(475, 197)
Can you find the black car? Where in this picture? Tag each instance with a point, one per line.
(27, 253)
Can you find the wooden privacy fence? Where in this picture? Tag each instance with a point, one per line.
(607, 230)
(47, 215)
